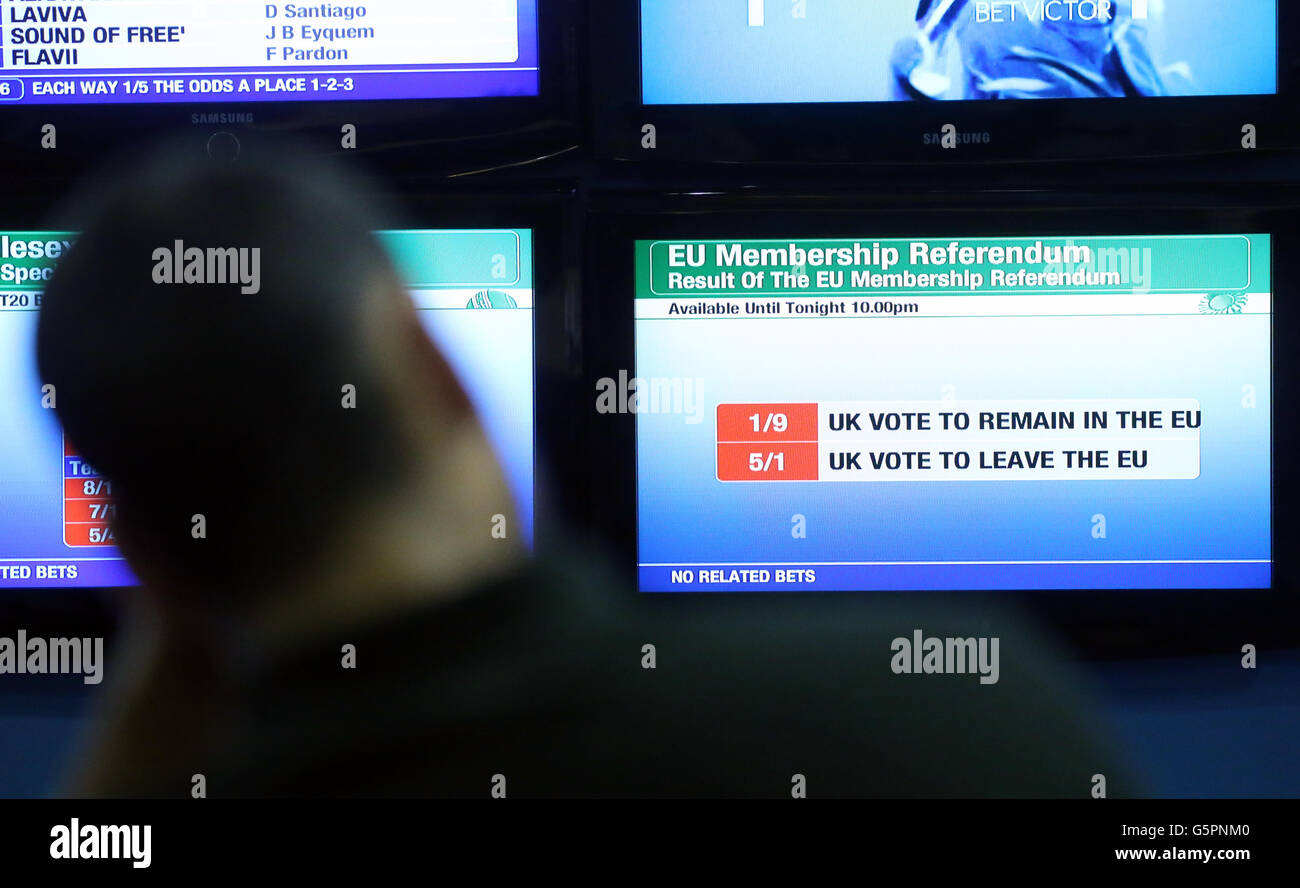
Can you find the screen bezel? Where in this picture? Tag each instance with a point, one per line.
(547, 211)
(892, 133)
(417, 136)
(1096, 620)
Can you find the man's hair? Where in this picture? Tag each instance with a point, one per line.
(200, 399)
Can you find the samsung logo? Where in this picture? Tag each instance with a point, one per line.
(199, 119)
(949, 137)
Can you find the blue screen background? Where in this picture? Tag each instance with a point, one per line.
(706, 53)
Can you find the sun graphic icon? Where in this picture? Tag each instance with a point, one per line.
(1223, 303)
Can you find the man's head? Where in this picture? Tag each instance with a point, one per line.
(241, 424)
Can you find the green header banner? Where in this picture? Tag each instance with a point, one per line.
(755, 268)
(448, 259)
(445, 259)
(27, 258)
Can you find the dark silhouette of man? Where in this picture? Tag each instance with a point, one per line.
(346, 624)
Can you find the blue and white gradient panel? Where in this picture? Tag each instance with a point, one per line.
(473, 290)
(774, 512)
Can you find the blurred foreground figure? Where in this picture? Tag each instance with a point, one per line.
(1056, 50)
(346, 624)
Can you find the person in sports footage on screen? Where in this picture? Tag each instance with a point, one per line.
(1021, 51)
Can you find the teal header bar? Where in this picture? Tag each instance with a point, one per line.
(955, 266)
(453, 259)
(444, 259)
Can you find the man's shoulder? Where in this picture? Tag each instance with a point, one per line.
(575, 685)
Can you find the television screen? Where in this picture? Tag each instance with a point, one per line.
(474, 293)
(1006, 413)
(795, 51)
(144, 51)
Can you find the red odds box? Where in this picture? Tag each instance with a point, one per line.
(79, 534)
(75, 488)
(780, 462)
(80, 518)
(736, 422)
(80, 511)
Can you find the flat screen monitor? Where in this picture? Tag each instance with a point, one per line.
(474, 293)
(202, 51)
(943, 81)
(419, 87)
(774, 51)
(1040, 411)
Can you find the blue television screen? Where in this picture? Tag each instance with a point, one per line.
(959, 413)
(811, 51)
(84, 52)
(474, 293)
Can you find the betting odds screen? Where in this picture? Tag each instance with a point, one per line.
(474, 293)
(799, 51)
(96, 52)
(953, 413)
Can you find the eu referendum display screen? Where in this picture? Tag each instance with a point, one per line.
(103, 51)
(945, 413)
(783, 51)
(474, 293)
